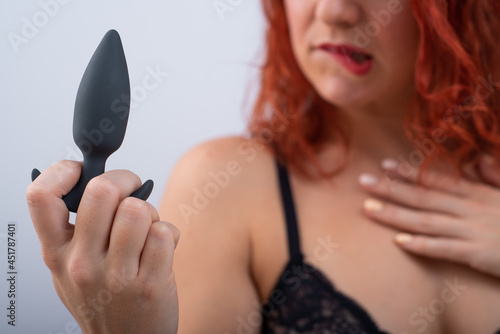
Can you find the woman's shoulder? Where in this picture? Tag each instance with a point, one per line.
(239, 158)
(211, 198)
(219, 173)
(217, 152)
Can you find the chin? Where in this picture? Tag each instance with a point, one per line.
(341, 94)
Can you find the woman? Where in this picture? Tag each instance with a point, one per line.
(292, 230)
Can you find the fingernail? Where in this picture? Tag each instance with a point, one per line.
(372, 205)
(368, 179)
(403, 238)
(390, 164)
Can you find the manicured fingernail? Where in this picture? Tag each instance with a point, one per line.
(371, 204)
(403, 238)
(367, 179)
(390, 164)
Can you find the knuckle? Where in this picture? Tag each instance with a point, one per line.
(80, 272)
(425, 222)
(175, 232)
(68, 164)
(101, 187)
(165, 231)
(64, 168)
(134, 209)
(479, 206)
(51, 260)
(421, 197)
(35, 194)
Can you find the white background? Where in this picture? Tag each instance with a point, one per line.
(212, 62)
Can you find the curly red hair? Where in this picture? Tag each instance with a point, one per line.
(458, 54)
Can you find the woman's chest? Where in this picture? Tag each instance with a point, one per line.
(403, 293)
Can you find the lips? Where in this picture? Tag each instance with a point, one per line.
(346, 49)
(353, 59)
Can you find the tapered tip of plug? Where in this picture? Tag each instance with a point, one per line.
(112, 36)
(111, 43)
(113, 32)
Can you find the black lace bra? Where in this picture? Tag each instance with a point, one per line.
(304, 300)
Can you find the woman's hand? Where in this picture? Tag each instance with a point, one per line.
(452, 220)
(113, 268)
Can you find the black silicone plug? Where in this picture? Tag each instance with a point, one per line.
(101, 114)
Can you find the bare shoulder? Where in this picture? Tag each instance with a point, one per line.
(209, 195)
(218, 172)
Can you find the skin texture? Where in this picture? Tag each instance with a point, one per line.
(232, 250)
(377, 97)
(393, 49)
(116, 255)
(222, 198)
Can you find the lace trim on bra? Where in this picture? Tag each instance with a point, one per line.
(305, 301)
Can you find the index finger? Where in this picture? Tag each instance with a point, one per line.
(48, 211)
(430, 179)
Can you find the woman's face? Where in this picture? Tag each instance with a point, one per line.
(384, 29)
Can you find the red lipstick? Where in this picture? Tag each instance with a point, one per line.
(352, 58)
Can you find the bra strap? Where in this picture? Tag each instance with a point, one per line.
(289, 209)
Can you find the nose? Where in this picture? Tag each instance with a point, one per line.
(341, 13)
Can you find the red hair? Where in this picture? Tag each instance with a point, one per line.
(458, 54)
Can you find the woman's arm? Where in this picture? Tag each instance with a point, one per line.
(204, 199)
